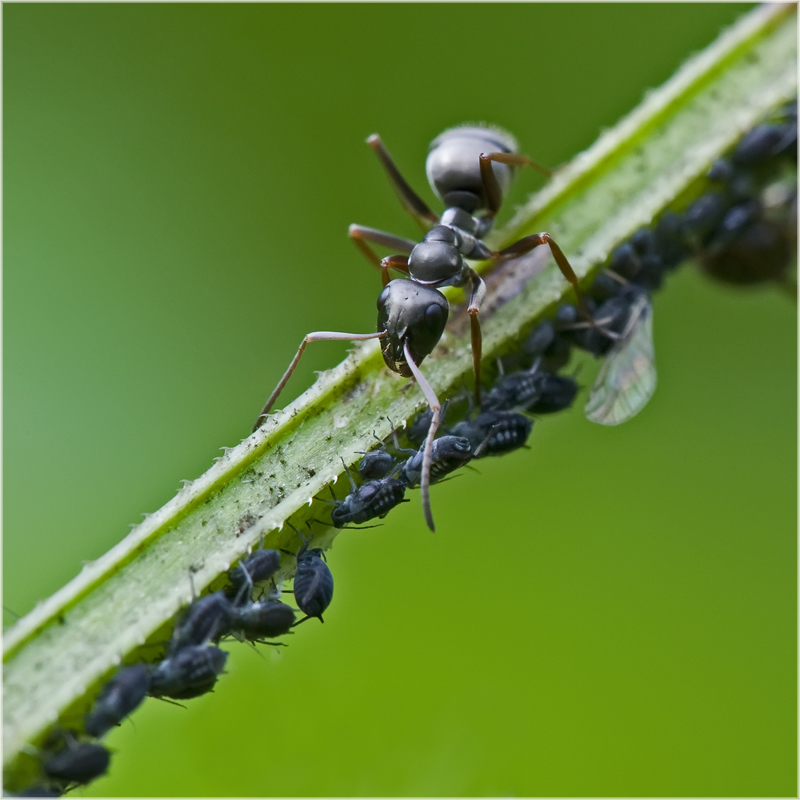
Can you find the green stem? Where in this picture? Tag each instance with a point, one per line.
(57, 656)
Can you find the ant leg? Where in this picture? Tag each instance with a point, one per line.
(393, 262)
(427, 456)
(528, 243)
(361, 235)
(317, 336)
(412, 202)
(494, 194)
(476, 298)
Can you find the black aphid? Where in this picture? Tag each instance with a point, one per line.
(556, 392)
(78, 763)
(119, 697)
(257, 567)
(313, 583)
(371, 500)
(207, 619)
(190, 672)
(263, 620)
(548, 346)
(502, 431)
(449, 453)
(517, 390)
(376, 464)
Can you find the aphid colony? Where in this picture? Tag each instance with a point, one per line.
(193, 660)
(742, 230)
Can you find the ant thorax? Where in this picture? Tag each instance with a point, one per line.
(470, 228)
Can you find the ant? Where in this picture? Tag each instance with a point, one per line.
(469, 169)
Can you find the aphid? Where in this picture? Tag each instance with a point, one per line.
(190, 672)
(548, 346)
(373, 499)
(449, 453)
(263, 620)
(119, 697)
(748, 247)
(207, 619)
(257, 567)
(627, 379)
(469, 169)
(499, 432)
(313, 583)
(376, 464)
(556, 392)
(516, 390)
(78, 763)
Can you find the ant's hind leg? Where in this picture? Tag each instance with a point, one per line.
(317, 336)
(494, 193)
(412, 202)
(360, 235)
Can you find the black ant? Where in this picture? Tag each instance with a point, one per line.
(469, 168)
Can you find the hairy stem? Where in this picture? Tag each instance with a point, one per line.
(56, 657)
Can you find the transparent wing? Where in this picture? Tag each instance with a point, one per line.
(627, 379)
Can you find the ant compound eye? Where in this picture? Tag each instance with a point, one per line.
(434, 316)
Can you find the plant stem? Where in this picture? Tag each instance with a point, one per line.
(57, 656)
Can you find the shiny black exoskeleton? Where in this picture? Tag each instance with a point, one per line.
(499, 432)
(206, 620)
(313, 583)
(118, 698)
(77, 764)
(257, 567)
(449, 453)
(190, 672)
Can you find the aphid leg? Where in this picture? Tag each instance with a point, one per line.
(494, 193)
(411, 201)
(528, 243)
(247, 589)
(350, 477)
(360, 235)
(427, 456)
(317, 336)
(399, 263)
(476, 298)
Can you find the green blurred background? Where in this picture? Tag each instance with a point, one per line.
(610, 613)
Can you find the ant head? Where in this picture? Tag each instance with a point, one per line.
(437, 259)
(453, 165)
(410, 312)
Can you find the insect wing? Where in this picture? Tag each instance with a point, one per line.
(627, 379)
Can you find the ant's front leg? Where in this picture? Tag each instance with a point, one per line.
(411, 201)
(317, 336)
(427, 455)
(360, 235)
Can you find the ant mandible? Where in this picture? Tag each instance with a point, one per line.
(469, 169)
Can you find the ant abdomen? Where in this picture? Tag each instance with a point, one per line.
(453, 165)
